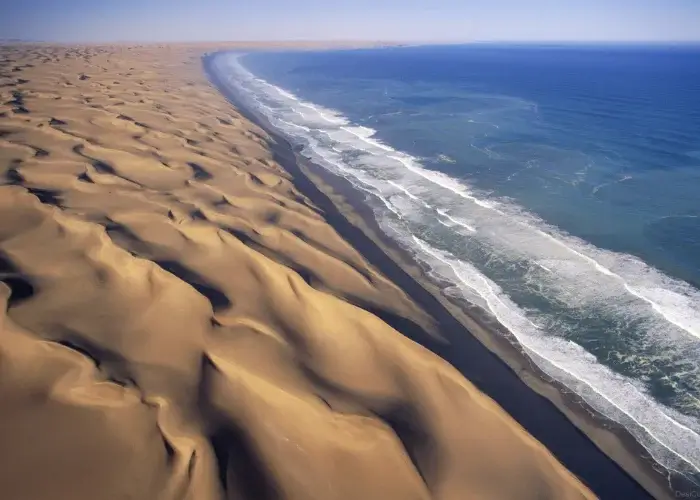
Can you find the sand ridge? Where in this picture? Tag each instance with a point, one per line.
(180, 322)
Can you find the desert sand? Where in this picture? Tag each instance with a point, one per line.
(180, 322)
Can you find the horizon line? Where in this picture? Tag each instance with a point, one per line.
(352, 40)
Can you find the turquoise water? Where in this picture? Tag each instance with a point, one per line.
(556, 187)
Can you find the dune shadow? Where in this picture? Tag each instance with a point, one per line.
(199, 172)
(111, 364)
(13, 176)
(217, 298)
(242, 472)
(47, 196)
(419, 445)
(20, 286)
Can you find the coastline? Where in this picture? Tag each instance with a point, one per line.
(603, 454)
(181, 321)
(190, 310)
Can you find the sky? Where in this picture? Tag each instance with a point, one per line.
(387, 20)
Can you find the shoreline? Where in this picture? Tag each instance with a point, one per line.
(603, 454)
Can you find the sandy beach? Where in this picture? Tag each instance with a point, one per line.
(190, 311)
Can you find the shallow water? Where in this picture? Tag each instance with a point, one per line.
(557, 187)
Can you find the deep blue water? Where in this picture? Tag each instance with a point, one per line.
(557, 187)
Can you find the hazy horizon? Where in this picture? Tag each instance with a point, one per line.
(410, 21)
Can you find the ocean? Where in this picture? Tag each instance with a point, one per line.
(557, 187)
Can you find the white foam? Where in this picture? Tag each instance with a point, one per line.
(542, 266)
(409, 194)
(443, 181)
(295, 125)
(365, 135)
(458, 222)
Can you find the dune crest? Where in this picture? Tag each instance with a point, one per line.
(179, 322)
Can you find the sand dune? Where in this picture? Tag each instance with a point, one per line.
(179, 322)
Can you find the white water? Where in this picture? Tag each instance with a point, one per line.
(664, 312)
